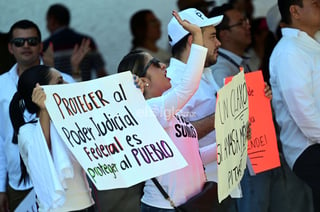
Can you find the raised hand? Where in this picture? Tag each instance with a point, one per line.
(79, 52)
(192, 28)
(38, 96)
(48, 56)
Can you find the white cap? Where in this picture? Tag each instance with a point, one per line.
(176, 32)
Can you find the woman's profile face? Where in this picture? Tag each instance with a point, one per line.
(56, 77)
(157, 74)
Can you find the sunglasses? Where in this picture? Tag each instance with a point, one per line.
(18, 42)
(153, 61)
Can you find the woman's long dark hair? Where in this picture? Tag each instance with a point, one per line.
(22, 100)
(134, 61)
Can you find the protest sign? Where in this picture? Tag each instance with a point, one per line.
(262, 147)
(111, 131)
(231, 122)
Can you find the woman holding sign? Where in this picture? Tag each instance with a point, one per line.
(58, 179)
(166, 103)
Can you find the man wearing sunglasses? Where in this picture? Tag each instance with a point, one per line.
(25, 45)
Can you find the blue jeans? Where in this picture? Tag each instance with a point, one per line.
(148, 208)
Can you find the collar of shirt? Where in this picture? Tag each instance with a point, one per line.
(311, 42)
(13, 73)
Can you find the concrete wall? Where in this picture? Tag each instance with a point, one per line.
(107, 21)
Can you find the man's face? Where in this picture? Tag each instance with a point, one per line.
(239, 29)
(309, 15)
(153, 27)
(211, 43)
(27, 54)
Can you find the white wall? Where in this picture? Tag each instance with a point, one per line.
(107, 21)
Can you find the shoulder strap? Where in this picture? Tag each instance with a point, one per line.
(163, 192)
(246, 66)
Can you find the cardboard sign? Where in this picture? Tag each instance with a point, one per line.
(111, 131)
(231, 121)
(262, 148)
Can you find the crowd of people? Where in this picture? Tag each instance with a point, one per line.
(207, 44)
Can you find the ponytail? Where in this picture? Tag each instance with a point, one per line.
(16, 110)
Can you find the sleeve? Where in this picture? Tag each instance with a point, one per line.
(4, 116)
(3, 166)
(38, 161)
(167, 105)
(61, 157)
(297, 91)
(208, 154)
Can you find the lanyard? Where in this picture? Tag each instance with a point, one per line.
(247, 68)
(229, 59)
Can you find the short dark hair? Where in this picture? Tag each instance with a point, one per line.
(221, 10)
(179, 47)
(24, 24)
(60, 13)
(284, 8)
(232, 1)
(138, 26)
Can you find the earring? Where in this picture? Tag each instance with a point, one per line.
(147, 84)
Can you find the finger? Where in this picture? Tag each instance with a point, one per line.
(75, 48)
(136, 80)
(51, 46)
(85, 45)
(177, 16)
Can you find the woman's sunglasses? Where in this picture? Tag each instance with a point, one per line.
(153, 61)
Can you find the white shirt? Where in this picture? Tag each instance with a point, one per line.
(183, 183)
(295, 83)
(59, 182)
(9, 152)
(202, 104)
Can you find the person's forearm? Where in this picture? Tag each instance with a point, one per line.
(204, 126)
(45, 125)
